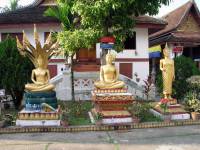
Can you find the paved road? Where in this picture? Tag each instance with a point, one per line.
(172, 138)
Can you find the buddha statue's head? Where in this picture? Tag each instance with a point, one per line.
(110, 58)
(166, 51)
(40, 62)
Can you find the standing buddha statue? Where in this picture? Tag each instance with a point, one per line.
(168, 75)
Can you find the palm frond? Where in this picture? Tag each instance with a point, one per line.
(61, 12)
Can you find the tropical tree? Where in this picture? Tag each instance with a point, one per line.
(115, 17)
(15, 71)
(13, 5)
(73, 37)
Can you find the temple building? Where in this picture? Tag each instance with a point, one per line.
(132, 62)
(182, 32)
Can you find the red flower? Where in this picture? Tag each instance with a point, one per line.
(164, 101)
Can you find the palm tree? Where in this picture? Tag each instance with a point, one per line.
(13, 5)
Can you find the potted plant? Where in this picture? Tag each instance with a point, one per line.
(192, 104)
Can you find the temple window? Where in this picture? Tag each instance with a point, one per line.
(130, 42)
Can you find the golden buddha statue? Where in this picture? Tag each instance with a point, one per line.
(167, 68)
(40, 77)
(39, 57)
(109, 75)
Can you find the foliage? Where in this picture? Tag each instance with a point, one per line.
(194, 84)
(109, 17)
(9, 116)
(184, 68)
(62, 12)
(147, 86)
(192, 103)
(15, 71)
(71, 41)
(114, 17)
(76, 112)
(141, 110)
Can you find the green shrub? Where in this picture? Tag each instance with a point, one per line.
(76, 112)
(142, 111)
(194, 84)
(15, 70)
(184, 68)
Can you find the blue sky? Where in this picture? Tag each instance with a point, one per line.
(163, 10)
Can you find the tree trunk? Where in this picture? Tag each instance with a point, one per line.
(72, 78)
(17, 97)
(103, 56)
(104, 52)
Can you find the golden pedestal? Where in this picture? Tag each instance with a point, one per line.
(111, 106)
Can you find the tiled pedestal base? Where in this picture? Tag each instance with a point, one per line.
(47, 123)
(33, 118)
(176, 112)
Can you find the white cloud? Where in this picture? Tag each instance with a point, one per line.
(173, 5)
(4, 3)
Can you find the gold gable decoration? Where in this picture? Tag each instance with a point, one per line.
(189, 25)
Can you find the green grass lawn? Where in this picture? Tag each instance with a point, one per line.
(149, 117)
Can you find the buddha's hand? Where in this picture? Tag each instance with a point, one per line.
(110, 82)
(39, 83)
(115, 80)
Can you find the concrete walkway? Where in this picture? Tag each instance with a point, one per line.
(173, 138)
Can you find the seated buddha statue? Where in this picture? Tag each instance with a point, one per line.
(109, 75)
(40, 77)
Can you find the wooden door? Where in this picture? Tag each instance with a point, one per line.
(92, 54)
(86, 55)
(82, 55)
(52, 70)
(126, 69)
